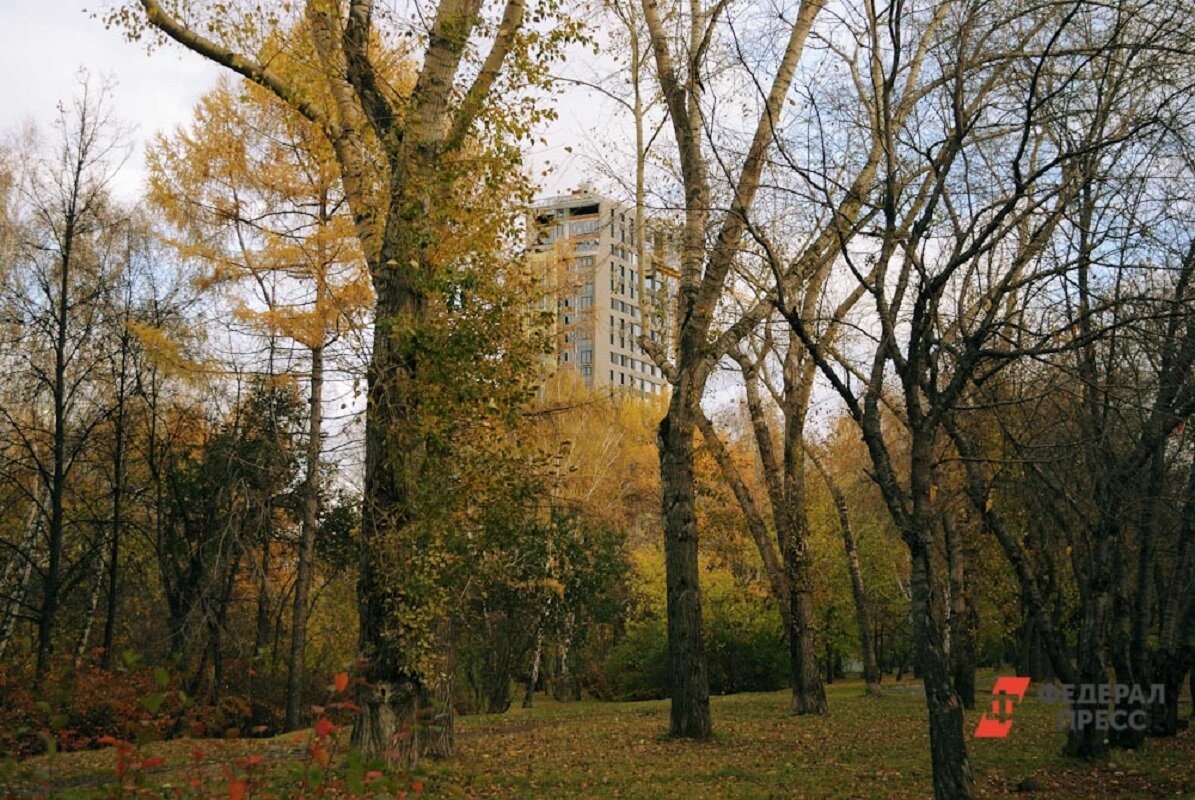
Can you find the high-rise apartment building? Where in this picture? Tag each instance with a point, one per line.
(586, 246)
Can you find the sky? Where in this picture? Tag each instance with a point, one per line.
(45, 43)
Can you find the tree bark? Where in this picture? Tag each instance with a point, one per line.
(690, 709)
(871, 669)
(113, 603)
(1177, 628)
(23, 561)
(529, 695)
(306, 567)
(963, 617)
(951, 767)
(49, 608)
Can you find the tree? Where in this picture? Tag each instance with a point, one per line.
(703, 275)
(407, 163)
(66, 244)
(255, 190)
(981, 256)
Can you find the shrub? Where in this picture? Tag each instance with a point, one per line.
(78, 706)
(637, 667)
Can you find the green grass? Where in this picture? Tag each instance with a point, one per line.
(865, 748)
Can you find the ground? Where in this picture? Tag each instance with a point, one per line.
(865, 748)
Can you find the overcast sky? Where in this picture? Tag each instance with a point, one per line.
(44, 44)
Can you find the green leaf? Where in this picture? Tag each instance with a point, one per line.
(153, 702)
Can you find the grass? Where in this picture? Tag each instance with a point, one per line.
(865, 748)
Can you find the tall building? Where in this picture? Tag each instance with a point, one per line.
(586, 247)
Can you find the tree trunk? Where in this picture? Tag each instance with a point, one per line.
(113, 604)
(393, 698)
(689, 678)
(948, 749)
(809, 696)
(1087, 742)
(306, 567)
(529, 695)
(49, 608)
(25, 557)
(951, 767)
(1178, 613)
(963, 622)
(93, 603)
(261, 628)
(871, 669)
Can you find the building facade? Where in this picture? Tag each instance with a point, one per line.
(585, 245)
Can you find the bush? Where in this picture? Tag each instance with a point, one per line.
(637, 667)
(77, 707)
(745, 657)
(744, 644)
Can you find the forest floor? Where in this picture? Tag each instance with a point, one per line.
(865, 748)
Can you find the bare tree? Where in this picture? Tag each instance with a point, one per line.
(704, 271)
(65, 249)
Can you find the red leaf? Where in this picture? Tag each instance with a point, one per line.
(150, 763)
(237, 789)
(342, 681)
(324, 726)
(417, 787)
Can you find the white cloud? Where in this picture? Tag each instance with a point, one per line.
(44, 44)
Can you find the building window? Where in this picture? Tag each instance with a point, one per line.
(578, 227)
